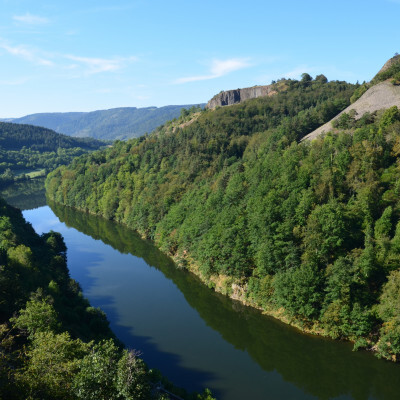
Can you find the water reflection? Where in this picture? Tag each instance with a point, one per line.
(25, 195)
(317, 366)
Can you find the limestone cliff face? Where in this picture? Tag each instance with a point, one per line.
(229, 97)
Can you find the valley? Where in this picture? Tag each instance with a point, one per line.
(196, 337)
(305, 231)
(283, 204)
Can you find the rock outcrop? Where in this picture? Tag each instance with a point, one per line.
(226, 98)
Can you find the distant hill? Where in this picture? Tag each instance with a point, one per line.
(116, 123)
(16, 136)
(28, 151)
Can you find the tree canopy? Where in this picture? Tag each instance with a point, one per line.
(309, 229)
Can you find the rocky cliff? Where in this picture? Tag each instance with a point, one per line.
(226, 98)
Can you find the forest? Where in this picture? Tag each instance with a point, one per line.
(27, 148)
(53, 344)
(307, 231)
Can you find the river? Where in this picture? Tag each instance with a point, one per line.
(196, 337)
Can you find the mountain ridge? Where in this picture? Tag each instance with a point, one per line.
(115, 123)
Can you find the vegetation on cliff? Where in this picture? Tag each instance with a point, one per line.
(309, 230)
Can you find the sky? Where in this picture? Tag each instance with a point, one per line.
(85, 55)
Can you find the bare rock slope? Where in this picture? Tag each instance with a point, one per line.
(381, 96)
(389, 63)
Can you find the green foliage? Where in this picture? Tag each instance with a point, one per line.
(391, 72)
(19, 136)
(325, 233)
(358, 92)
(96, 377)
(24, 148)
(260, 291)
(107, 374)
(389, 311)
(132, 377)
(310, 228)
(305, 77)
(299, 291)
(37, 316)
(396, 79)
(50, 367)
(389, 117)
(206, 395)
(345, 121)
(321, 78)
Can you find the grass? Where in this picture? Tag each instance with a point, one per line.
(31, 174)
(37, 174)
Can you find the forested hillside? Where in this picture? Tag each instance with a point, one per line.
(53, 344)
(307, 231)
(116, 123)
(17, 136)
(25, 148)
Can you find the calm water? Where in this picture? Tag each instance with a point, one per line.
(198, 338)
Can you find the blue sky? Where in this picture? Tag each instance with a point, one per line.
(93, 54)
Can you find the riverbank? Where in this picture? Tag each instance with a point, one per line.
(238, 290)
(198, 337)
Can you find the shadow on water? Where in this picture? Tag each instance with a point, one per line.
(25, 195)
(318, 366)
(170, 364)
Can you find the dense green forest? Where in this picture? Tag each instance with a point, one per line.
(116, 123)
(25, 148)
(53, 344)
(307, 231)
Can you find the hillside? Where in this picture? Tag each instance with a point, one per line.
(379, 97)
(116, 123)
(26, 148)
(308, 231)
(16, 136)
(381, 93)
